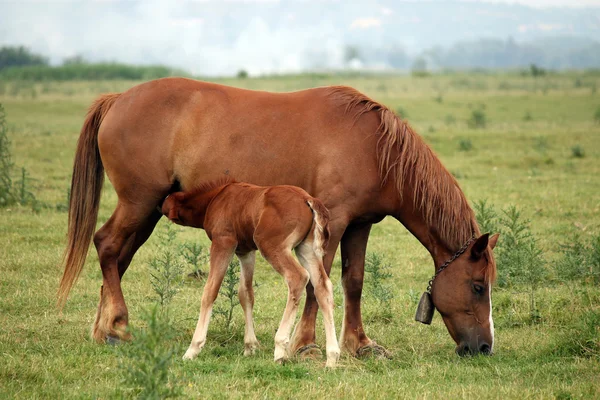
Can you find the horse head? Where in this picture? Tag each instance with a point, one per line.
(462, 295)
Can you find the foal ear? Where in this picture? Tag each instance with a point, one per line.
(479, 246)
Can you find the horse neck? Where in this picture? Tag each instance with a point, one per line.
(414, 219)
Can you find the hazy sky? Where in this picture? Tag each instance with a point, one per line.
(221, 37)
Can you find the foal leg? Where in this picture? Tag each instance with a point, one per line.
(221, 253)
(246, 296)
(324, 293)
(304, 333)
(296, 278)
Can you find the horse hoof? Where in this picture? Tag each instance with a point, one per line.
(281, 361)
(373, 350)
(250, 350)
(310, 352)
(112, 340)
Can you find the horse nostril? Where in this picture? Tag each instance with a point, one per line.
(485, 349)
(463, 350)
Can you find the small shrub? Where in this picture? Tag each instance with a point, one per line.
(439, 99)
(597, 115)
(487, 218)
(401, 112)
(465, 145)
(376, 286)
(194, 255)
(450, 119)
(541, 144)
(166, 269)
(580, 260)
(64, 206)
(11, 191)
(577, 151)
(478, 119)
(145, 362)
(229, 290)
(527, 117)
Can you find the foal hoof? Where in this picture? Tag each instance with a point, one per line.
(309, 352)
(112, 340)
(373, 350)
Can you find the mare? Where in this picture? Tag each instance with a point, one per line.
(339, 145)
(241, 218)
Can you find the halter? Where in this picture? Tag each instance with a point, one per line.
(449, 261)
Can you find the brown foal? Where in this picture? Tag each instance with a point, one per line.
(241, 218)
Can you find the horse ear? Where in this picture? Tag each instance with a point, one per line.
(479, 246)
(493, 241)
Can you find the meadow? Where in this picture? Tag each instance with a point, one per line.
(510, 139)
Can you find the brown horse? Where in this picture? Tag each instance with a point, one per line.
(340, 146)
(241, 218)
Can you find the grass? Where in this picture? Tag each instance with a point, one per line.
(46, 355)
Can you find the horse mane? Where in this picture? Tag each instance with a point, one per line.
(404, 156)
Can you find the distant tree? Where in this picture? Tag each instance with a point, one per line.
(536, 71)
(397, 57)
(11, 56)
(351, 53)
(419, 67)
(242, 74)
(77, 59)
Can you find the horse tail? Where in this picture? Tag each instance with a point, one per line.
(86, 186)
(321, 225)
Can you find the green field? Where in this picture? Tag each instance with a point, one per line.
(538, 149)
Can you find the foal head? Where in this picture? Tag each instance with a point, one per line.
(183, 209)
(462, 295)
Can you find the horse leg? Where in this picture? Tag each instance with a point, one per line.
(303, 340)
(354, 247)
(131, 246)
(116, 236)
(324, 293)
(221, 253)
(296, 278)
(246, 296)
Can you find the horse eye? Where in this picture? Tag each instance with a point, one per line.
(478, 289)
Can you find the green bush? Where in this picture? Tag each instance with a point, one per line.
(465, 144)
(577, 151)
(229, 290)
(12, 191)
(478, 119)
(145, 362)
(166, 268)
(194, 255)
(378, 273)
(580, 260)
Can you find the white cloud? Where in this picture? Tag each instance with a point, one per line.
(365, 23)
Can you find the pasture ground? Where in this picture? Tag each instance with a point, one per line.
(523, 156)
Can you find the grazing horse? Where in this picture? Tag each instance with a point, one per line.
(241, 218)
(339, 145)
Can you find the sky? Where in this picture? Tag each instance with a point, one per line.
(267, 36)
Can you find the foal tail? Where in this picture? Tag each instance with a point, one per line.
(321, 224)
(86, 186)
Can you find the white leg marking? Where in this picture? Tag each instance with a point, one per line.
(310, 259)
(246, 296)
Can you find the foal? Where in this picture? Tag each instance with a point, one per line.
(241, 218)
